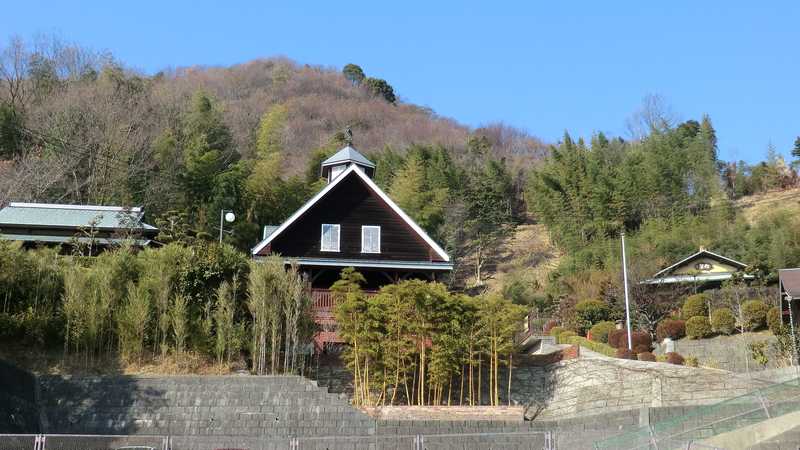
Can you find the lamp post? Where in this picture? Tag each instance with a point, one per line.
(225, 215)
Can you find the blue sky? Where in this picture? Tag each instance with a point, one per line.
(545, 67)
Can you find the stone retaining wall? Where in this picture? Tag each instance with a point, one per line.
(18, 411)
(726, 352)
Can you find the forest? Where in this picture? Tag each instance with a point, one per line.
(78, 126)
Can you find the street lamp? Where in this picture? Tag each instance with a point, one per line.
(225, 216)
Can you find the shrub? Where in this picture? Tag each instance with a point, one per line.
(695, 305)
(646, 356)
(549, 325)
(564, 336)
(555, 331)
(723, 321)
(690, 361)
(671, 328)
(624, 353)
(614, 337)
(774, 322)
(675, 358)
(754, 314)
(600, 331)
(598, 347)
(640, 340)
(590, 312)
(698, 327)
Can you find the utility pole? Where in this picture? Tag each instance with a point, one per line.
(627, 301)
(224, 216)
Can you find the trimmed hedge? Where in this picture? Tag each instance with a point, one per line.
(624, 353)
(754, 314)
(599, 332)
(671, 328)
(564, 336)
(640, 341)
(591, 312)
(675, 358)
(614, 337)
(555, 331)
(723, 321)
(698, 327)
(646, 356)
(695, 305)
(549, 325)
(598, 347)
(774, 320)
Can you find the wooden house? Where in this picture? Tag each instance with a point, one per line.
(65, 226)
(351, 222)
(703, 269)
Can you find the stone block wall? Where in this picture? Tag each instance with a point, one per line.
(727, 352)
(18, 411)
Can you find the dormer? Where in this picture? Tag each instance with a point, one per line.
(338, 163)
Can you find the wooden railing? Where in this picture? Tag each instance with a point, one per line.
(323, 300)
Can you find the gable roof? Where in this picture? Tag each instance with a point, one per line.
(348, 154)
(72, 216)
(371, 185)
(789, 282)
(702, 252)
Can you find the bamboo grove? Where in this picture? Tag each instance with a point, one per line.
(193, 305)
(415, 343)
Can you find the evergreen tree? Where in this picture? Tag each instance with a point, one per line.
(354, 73)
(380, 88)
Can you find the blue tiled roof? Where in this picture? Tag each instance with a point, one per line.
(72, 216)
(348, 154)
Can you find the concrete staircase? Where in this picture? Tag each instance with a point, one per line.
(278, 407)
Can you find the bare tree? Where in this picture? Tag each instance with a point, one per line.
(654, 114)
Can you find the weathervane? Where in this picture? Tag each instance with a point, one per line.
(348, 136)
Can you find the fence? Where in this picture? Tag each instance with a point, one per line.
(467, 441)
(708, 421)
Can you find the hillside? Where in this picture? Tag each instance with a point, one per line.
(756, 206)
(85, 121)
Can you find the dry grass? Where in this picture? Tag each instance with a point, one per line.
(755, 206)
(527, 254)
(54, 362)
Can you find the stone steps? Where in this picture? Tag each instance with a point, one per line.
(203, 406)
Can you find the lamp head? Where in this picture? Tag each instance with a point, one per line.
(230, 217)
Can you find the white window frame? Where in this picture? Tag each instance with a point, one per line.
(366, 227)
(322, 237)
(336, 171)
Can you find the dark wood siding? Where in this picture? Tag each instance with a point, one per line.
(352, 204)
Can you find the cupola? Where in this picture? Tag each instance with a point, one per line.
(339, 162)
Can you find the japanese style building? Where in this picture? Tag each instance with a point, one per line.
(703, 269)
(64, 226)
(352, 223)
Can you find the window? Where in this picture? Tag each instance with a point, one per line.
(330, 238)
(370, 239)
(336, 170)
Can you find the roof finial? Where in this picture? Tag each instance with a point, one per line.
(348, 136)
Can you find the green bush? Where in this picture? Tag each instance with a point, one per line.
(599, 332)
(563, 337)
(723, 321)
(598, 347)
(590, 312)
(754, 314)
(555, 331)
(698, 327)
(691, 361)
(774, 322)
(671, 328)
(695, 305)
